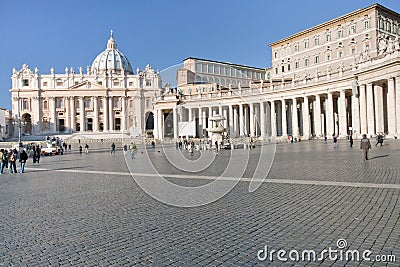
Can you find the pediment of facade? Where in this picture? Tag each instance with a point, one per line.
(86, 85)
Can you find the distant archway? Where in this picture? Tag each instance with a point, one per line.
(149, 120)
(26, 123)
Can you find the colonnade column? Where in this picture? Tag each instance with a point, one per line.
(363, 110)
(110, 113)
(230, 111)
(52, 106)
(295, 125)
(342, 114)
(329, 115)
(317, 116)
(72, 113)
(241, 120)
(391, 110)
(355, 124)
(123, 111)
(284, 122)
(95, 114)
(82, 114)
(378, 92)
(105, 113)
(204, 118)
(210, 114)
(397, 104)
(225, 114)
(190, 114)
(251, 118)
(370, 110)
(262, 119)
(175, 121)
(67, 114)
(160, 124)
(306, 118)
(235, 121)
(273, 119)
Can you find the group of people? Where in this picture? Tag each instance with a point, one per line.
(365, 143)
(8, 160)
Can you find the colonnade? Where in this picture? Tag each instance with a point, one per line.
(81, 114)
(371, 109)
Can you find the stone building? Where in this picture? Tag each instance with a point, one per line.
(340, 77)
(108, 97)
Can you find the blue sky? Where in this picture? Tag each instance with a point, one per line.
(61, 34)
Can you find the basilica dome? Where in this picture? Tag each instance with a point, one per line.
(112, 60)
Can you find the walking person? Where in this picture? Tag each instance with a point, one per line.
(379, 139)
(113, 149)
(12, 167)
(86, 148)
(334, 141)
(3, 161)
(132, 148)
(351, 140)
(365, 145)
(80, 149)
(38, 151)
(23, 157)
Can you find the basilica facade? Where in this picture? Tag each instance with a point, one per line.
(338, 78)
(107, 96)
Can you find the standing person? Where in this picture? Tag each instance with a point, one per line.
(38, 151)
(86, 148)
(69, 147)
(12, 167)
(113, 148)
(379, 139)
(132, 148)
(80, 149)
(153, 144)
(334, 141)
(34, 154)
(23, 156)
(365, 145)
(325, 139)
(351, 140)
(3, 157)
(125, 149)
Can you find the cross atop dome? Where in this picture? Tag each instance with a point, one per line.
(111, 44)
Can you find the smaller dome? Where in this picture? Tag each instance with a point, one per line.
(112, 59)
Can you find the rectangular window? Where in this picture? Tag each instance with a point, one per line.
(328, 57)
(25, 82)
(116, 83)
(340, 54)
(353, 50)
(296, 64)
(44, 83)
(210, 68)
(352, 29)
(148, 103)
(198, 67)
(316, 41)
(222, 70)
(288, 67)
(275, 54)
(276, 70)
(216, 69)
(328, 37)
(316, 59)
(204, 68)
(296, 47)
(306, 62)
(340, 34)
(130, 84)
(283, 68)
(366, 25)
(367, 47)
(148, 82)
(306, 44)
(101, 83)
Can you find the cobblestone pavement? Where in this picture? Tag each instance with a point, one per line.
(87, 210)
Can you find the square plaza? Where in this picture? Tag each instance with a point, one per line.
(87, 209)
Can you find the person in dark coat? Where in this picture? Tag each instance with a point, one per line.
(23, 157)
